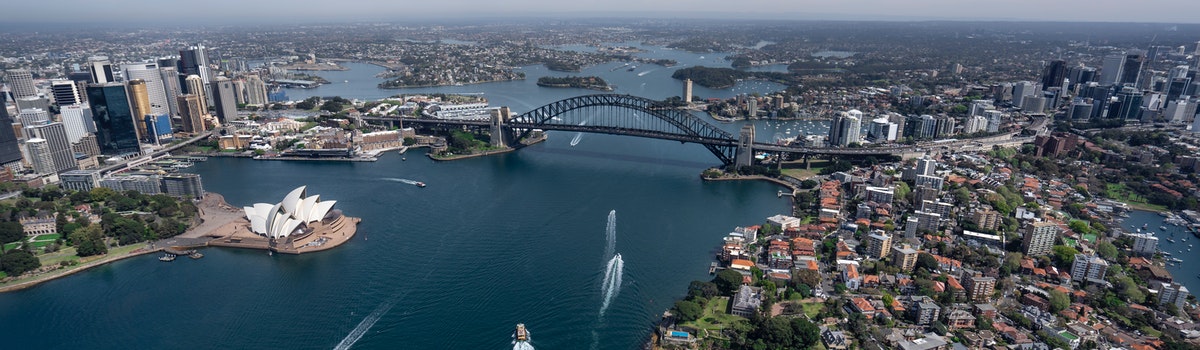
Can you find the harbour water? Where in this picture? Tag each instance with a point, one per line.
(1185, 272)
(491, 242)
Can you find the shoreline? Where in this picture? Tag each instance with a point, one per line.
(442, 85)
(215, 214)
(783, 183)
(50, 276)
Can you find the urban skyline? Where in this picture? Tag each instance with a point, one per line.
(217, 12)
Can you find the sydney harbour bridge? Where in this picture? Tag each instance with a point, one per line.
(641, 117)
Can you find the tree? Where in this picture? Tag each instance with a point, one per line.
(701, 289)
(927, 261)
(1058, 301)
(1064, 256)
(1106, 250)
(806, 333)
(89, 241)
(688, 311)
(728, 281)
(17, 262)
(806, 277)
(11, 231)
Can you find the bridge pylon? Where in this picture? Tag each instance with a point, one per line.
(497, 126)
(745, 147)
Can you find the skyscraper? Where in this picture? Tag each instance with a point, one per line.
(65, 92)
(256, 90)
(77, 119)
(155, 91)
(101, 69)
(239, 90)
(195, 86)
(1110, 73)
(139, 103)
(1132, 68)
(1021, 90)
(224, 100)
(57, 145)
(39, 156)
(115, 130)
(170, 80)
(21, 83)
(10, 148)
(33, 116)
(194, 61)
(1054, 73)
(191, 112)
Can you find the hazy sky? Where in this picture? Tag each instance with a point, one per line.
(1174, 11)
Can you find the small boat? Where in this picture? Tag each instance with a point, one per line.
(195, 255)
(521, 334)
(1170, 240)
(1164, 228)
(420, 184)
(403, 159)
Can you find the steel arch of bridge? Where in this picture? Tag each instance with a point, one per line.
(679, 125)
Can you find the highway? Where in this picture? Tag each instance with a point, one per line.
(156, 154)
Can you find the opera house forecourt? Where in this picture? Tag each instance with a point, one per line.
(298, 224)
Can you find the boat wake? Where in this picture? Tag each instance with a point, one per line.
(642, 74)
(407, 181)
(575, 141)
(610, 234)
(364, 326)
(612, 281)
(520, 345)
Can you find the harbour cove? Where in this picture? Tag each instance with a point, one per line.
(490, 242)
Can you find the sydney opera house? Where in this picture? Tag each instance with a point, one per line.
(298, 224)
(291, 216)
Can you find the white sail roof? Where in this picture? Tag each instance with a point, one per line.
(282, 219)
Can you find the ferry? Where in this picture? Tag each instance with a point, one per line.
(420, 184)
(631, 68)
(167, 257)
(521, 334)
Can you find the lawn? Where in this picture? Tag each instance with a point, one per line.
(812, 309)
(49, 237)
(715, 317)
(1119, 192)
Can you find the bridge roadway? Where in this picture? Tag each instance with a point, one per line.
(936, 147)
(121, 166)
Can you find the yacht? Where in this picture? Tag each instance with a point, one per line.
(420, 184)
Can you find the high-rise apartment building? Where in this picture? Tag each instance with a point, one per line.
(1039, 237)
(879, 244)
(845, 128)
(1088, 267)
